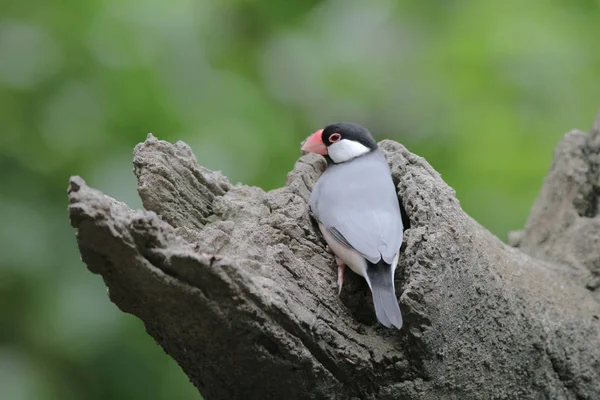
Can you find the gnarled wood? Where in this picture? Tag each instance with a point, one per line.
(236, 285)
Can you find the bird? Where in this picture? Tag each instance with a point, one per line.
(356, 206)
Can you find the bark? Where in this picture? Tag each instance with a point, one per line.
(236, 285)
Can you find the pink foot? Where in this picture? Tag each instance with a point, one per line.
(340, 280)
(329, 250)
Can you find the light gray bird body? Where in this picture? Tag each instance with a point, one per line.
(356, 205)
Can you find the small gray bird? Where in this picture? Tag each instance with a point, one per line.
(356, 206)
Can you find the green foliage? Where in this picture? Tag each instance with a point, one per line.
(483, 90)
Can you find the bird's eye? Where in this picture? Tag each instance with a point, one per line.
(335, 137)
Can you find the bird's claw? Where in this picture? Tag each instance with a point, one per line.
(340, 279)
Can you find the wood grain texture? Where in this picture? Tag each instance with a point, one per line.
(236, 285)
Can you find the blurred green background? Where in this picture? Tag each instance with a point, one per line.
(483, 90)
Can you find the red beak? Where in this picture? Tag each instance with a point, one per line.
(314, 143)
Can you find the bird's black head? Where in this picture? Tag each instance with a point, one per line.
(341, 142)
(345, 130)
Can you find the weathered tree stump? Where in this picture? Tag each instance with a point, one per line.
(236, 285)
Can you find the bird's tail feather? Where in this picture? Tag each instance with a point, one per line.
(381, 281)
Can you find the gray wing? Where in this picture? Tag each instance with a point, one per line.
(357, 202)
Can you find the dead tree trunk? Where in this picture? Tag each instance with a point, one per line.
(235, 284)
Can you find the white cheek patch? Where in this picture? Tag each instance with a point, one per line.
(345, 150)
